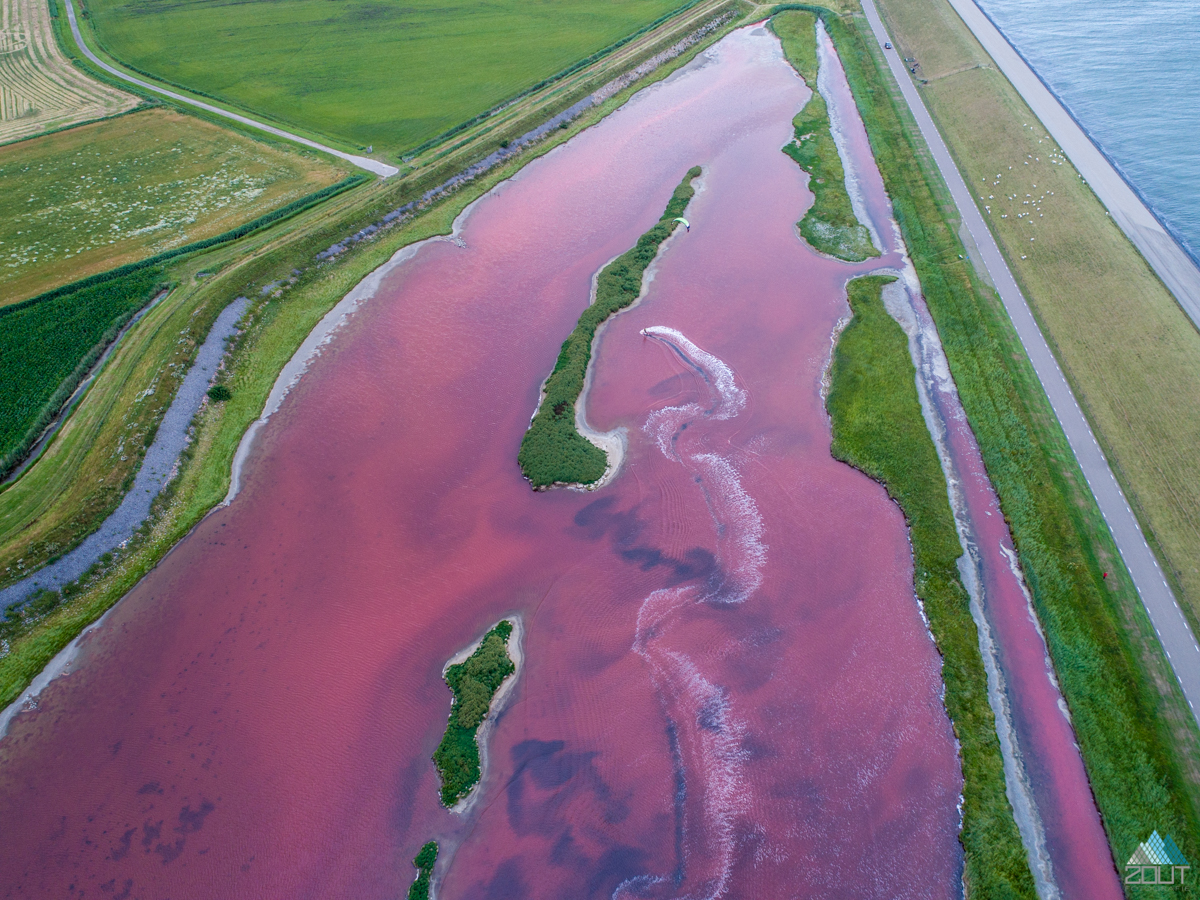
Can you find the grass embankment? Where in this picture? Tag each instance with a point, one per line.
(473, 683)
(830, 225)
(1125, 705)
(553, 451)
(100, 196)
(49, 342)
(1130, 353)
(82, 475)
(419, 889)
(455, 60)
(879, 429)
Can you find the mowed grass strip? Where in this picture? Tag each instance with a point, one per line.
(1126, 716)
(830, 225)
(1130, 353)
(553, 451)
(90, 199)
(878, 428)
(365, 73)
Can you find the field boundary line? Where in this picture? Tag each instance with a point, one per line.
(1174, 633)
(382, 169)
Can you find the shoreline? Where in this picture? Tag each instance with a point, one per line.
(323, 334)
(1156, 594)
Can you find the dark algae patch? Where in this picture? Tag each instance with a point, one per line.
(830, 225)
(419, 889)
(553, 451)
(879, 429)
(1120, 718)
(474, 683)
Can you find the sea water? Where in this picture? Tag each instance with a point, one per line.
(1128, 74)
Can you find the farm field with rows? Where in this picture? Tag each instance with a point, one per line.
(39, 89)
(364, 73)
(102, 195)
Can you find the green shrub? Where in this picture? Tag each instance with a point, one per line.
(419, 889)
(473, 683)
(219, 393)
(553, 451)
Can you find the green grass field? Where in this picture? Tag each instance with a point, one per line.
(553, 451)
(830, 225)
(46, 349)
(879, 429)
(364, 73)
(102, 195)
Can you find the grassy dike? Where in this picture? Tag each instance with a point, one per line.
(1125, 705)
(553, 451)
(879, 429)
(830, 225)
(78, 479)
(474, 683)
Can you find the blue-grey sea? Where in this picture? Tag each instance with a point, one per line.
(1130, 74)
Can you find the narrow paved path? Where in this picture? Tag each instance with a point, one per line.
(371, 165)
(1165, 614)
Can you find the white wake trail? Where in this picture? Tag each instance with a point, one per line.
(708, 735)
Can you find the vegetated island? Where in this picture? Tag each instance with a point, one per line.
(474, 682)
(878, 428)
(553, 451)
(419, 889)
(830, 225)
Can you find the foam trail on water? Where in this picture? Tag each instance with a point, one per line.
(714, 791)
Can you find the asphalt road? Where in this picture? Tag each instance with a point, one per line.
(1168, 620)
(371, 165)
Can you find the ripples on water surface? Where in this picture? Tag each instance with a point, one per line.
(1128, 72)
(728, 687)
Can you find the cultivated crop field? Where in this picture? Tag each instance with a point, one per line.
(365, 73)
(96, 197)
(39, 89)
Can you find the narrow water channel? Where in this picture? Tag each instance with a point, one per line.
(727, 688)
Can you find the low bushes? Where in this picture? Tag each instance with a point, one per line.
(553, 451)
(474, 683)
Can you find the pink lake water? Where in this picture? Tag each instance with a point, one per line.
(728, 689)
